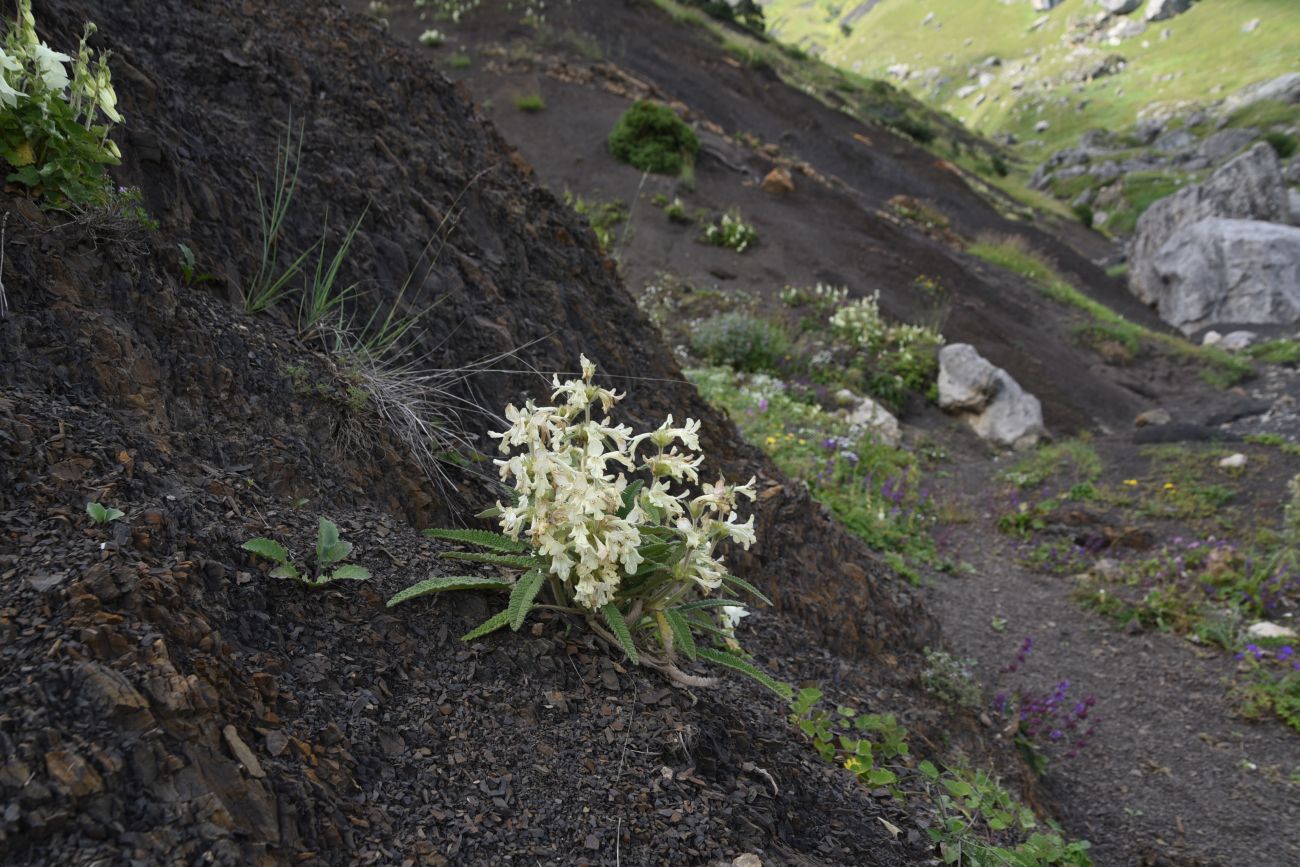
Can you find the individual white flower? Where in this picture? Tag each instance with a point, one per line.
(730, 616)
(50, 65)
(8, 95)
(742, 534)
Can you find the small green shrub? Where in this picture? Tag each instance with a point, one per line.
(330, 552)
(432, 38)
(950, 679)
(1283, 144)
(530, 103)
(653, 138)
(51, 135)
(740, 341)
(460, 61)
(1084, 214)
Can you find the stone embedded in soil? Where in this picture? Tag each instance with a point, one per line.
(241, 752)
(1264, 629)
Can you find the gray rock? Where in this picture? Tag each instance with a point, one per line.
(1222, 270)
(1235, 341)
(1225, 143)
(1250, 26)
(1159, 10)
(1178, 140)
(1042, 126)
(1248, 187)
(1284, 88)
(1107, 171)
(1046, 5)
(988, 399)
(1126, 28)
(1119, 7)
(1293, 198)
(1291, 174)
(1149, 130)
(868, 416)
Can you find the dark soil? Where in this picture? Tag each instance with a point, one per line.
(164, 701)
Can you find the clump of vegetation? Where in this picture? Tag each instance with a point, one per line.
(675, 211)
(604, 217)
(1283, 144)
(740, 341)
(432, 38)
(821, 298)
(975, 820)
(638, 561)
(731, 231)
(950, 679)
(747, 13)
(901, 358)
(653, 138)
(1280, 351)
(874, 489)
(52, 136)
(1067, 462)
(328, 567)
(530, 103)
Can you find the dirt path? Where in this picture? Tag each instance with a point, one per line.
(1172, 775)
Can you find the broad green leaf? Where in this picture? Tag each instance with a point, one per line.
(327, 538)
(618, 626)
(629, 497)
(519, 561)
(102, 514)
(522, 596)
(267, 548)
(492, 624)
(746, 586)
(286, 570)
(482, 538)
(881, 777)
(350, 572)
(489, 512)
(959, 788)
(448, 582)
(682, 638)
(730, 660)
(928, 769)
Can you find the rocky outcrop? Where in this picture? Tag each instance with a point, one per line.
(1120, 7)
(988, 398)
(1248, 187)
(1284, 88)
(1159, 10)
(1220, 270)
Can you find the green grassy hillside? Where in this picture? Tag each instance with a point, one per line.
(1194, 58)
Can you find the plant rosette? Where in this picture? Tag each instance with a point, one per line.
(615, 527)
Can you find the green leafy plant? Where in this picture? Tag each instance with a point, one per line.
(731, 231)
(950, 678)
(102, 514)
(653, 138)
(331, 551)
(637, 561)
(51, 134)
(740, 341)
(188, 263)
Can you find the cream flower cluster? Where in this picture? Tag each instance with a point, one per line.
(30, 69)
(570, 472)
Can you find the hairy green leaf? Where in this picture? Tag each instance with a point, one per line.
(522, 596)
(102, 514)
(349, 572)
(327, 542)
(618, 626)
(482, 538)
(629, 497)
(519, 561)
(448, 582)
(286, 570)
(682, 638)
(706, 603)
(735, 663)
(267, 548)
(492, 624)
(746, 586)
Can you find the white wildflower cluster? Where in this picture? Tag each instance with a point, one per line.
(32, 71)
(570, 473)
(731, 231)
(820, 296)
(432, 38)
(861, 323)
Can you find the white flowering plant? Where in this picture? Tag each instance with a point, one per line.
(614, 527)
(731, 231)
(57, 114)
